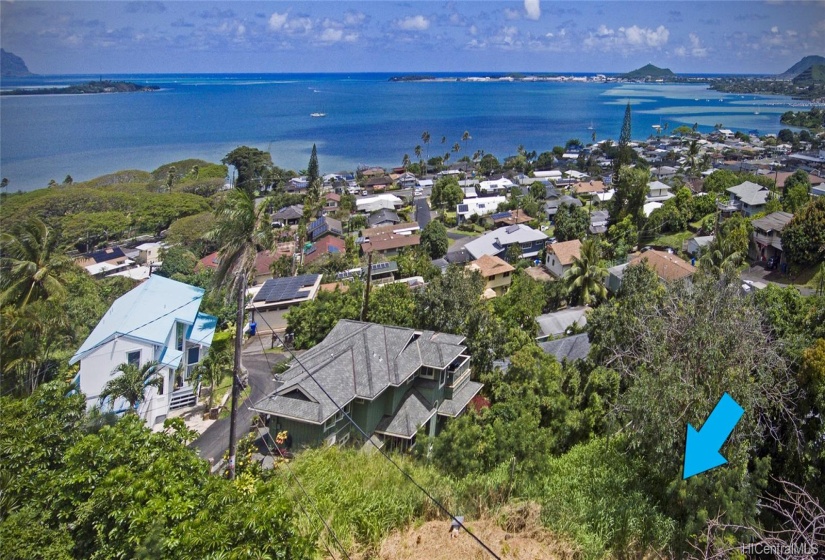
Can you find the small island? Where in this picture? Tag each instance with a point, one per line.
(648, 71)
(102, 86)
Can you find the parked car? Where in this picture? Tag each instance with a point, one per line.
(773, 263)
(364, 192)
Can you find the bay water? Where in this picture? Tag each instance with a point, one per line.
(369, 120)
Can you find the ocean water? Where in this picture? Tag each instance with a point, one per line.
(369, 120)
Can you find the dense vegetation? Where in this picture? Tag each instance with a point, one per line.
(813, 119)
(102, 86)
(598, 443)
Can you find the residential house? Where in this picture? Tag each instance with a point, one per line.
(559, 256)
(576, 175)
(497, 242)
(658, 192)
(668, 267)
(576, 347)
(766, 239)
(382, 218)
(104, 262)
(282, 293)
(663, 173)
(649, 207)
(289, 215)
(497, 274)
(781, 176)
(327, 245)
(749, 198)
(495, 186)
(380, 273)
(407, 180)
(407, 228)
(158, 321)
(263, 261)
(552, 206)
(696, 246)
(297, 184)
(332, 201)
(510, 218)
(324, 226)
(375, 203)
(372, 172)
(391, 381)
(378, 184)
(478, 206)
(389, 244)
(598, 221)
(149, 253)
(559, 322)
(589, 188)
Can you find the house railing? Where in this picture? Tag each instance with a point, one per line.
(183, 397)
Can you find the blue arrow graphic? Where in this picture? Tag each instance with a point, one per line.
(702, 448)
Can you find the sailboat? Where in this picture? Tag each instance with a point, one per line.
(591, 126)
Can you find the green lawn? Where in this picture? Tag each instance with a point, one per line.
(673, 240)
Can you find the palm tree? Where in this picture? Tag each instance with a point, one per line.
(240, 231)
(405, 161)
(30, 264)
(456, 147)
(466, 137)
(585, 279)
(131, 384)
(212, 370)
(425, 137)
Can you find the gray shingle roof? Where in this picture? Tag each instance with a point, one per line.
(574, 347)
(415, 411)
(461, 398)
(356, 360)
(773, 222)
(494, 242)
(750, 193)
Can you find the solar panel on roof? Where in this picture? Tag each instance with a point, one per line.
(463, 207)
(283, 289)
(512, 229)
(501, 215)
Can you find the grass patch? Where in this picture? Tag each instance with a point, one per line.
(673, 240)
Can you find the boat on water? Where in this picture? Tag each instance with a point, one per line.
(317, 114)
(591, 126)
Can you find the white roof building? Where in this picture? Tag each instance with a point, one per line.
(378, 202)
(496, 242)
(478, 206)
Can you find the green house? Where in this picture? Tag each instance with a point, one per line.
(390, 380)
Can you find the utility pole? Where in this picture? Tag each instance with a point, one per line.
(364, 309)
(236, 373)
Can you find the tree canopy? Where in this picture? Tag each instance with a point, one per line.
(803, 239)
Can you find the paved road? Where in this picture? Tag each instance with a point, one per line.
(212, 444)
(422, 212)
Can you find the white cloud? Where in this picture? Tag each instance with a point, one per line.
(694, 49)
(627, 39)
(511, 14)
(533, 9)
(277, 21)
(413, 23)
(473, 30)
(354, 18)
(774, 29)
(331, 35)
(637, 36)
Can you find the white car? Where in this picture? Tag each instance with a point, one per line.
(418, 191)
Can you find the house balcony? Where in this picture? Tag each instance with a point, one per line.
(458, 373)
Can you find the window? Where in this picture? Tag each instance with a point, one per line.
(329, 424)
(443, 378)
(505, 275)
(133, 358)
(526, 246)
(193, 355)
(180, 329)
(427, 373)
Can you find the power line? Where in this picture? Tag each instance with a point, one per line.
(441, 506)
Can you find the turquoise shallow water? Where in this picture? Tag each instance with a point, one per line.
(369, 120)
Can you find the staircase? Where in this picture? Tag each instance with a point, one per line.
(183, 397)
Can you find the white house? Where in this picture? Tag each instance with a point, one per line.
(149, 253)
(478, 206)
(375, 203)
(658, 192)
(497, 185)
(495, 243)
(156, 321)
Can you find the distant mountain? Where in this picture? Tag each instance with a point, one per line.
(650, 71)
(800, 67)
(12, 66)
(813, 75)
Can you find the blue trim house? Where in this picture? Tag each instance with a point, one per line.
(156, 321)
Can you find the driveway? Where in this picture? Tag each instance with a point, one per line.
(213, 443)
(758, 273)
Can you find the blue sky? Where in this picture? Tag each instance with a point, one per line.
(418, 36)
